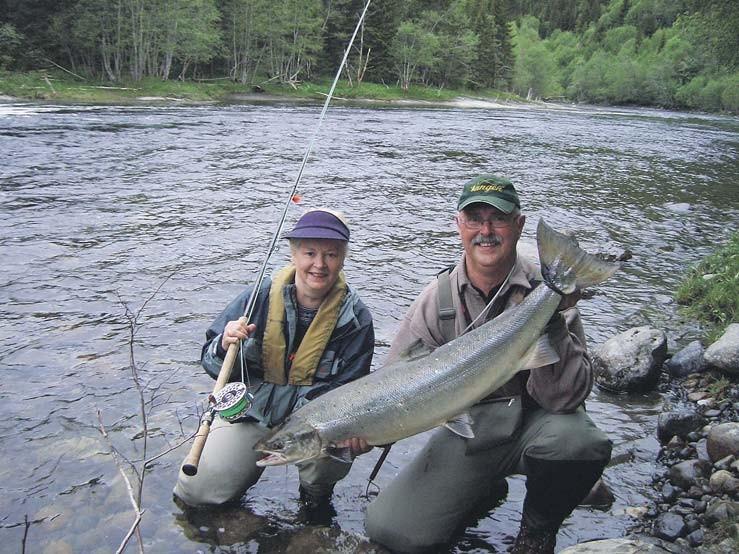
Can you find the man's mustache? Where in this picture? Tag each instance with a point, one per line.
(492, 240)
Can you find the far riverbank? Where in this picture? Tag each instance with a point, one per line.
(63, 87)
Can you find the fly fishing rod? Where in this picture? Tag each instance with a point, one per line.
(232, 400)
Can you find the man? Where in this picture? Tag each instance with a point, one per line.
(535, 424)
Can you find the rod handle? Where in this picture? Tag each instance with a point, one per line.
(190, 465)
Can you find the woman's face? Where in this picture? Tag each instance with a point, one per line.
(317, 266)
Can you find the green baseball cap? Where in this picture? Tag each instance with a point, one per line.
(490, 189)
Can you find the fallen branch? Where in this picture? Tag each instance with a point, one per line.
(64, 69)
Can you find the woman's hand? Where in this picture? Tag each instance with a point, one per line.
(356, 445)
(236, 331)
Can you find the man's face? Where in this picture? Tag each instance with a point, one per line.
(489, 236)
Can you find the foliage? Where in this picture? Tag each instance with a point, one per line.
(670, 53)
(710, 291)
(535, 72)
(10, 42)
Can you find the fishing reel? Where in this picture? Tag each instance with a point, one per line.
(232, 401)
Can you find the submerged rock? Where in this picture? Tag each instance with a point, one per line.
(644, 545)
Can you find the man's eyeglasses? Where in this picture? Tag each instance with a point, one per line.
(474, 222)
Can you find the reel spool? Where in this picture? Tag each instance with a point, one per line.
(232, 401)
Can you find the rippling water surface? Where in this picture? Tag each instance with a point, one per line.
(109, 209)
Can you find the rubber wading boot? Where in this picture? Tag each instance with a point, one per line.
(316, 509)
(534, 541)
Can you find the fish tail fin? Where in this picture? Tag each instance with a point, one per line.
(565, 267)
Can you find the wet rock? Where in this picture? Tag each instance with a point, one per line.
(644, 545)
(669, 526)
(723, 440)
(599, 495)
(637, 512)
(685, 474)
(670, 493)
(678, 423)
(615, 253)
(720, 510)
(723, 482)
(724, 353)
(695, 538)
(323, 539)
(725, 463)
(58, 547)
(688, 360)
(630, 361)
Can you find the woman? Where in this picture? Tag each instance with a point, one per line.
(309, 333)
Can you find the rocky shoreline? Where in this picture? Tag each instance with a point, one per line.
(696, 479)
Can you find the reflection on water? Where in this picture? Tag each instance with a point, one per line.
(102, 205)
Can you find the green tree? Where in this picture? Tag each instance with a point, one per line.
(293, 38)
(535, 73)
(413, 48)
(10, 44)
(244, 23)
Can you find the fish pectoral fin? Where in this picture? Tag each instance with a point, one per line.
(416, 350)
(540, 354)
(342, 454)
(461, 425)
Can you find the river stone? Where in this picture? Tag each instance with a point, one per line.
(721, 510)
(723, 440)
(642, 545)
(724, 353)
(723, 481)
(678, 423)
(685, 474)
(630, 361)
(599, 495)
(669, 526)
(688, 360)
(58, 547)
(695, 538)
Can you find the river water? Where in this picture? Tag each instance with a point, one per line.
(166, 211)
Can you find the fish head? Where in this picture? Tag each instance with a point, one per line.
(289, 444)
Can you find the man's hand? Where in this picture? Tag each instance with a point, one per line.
(568, 301)
(235, 331)
(356, 445)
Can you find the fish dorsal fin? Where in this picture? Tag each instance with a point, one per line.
(416, 350)
(461, 425)
(540, 354)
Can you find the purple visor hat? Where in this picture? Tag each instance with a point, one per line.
(319, 224)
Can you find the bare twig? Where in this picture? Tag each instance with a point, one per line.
(25, 533)
(132, 496)
(135, 488)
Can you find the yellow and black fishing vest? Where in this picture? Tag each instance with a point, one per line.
(306, 358)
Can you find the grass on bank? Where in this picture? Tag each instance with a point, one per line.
(56, 85)
(710, 291)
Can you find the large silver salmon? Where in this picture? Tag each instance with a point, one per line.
(417, 394)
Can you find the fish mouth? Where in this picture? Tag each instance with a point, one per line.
(272, 459)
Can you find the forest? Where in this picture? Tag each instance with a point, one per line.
(680, 54)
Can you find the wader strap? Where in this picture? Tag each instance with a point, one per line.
(447, 314)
